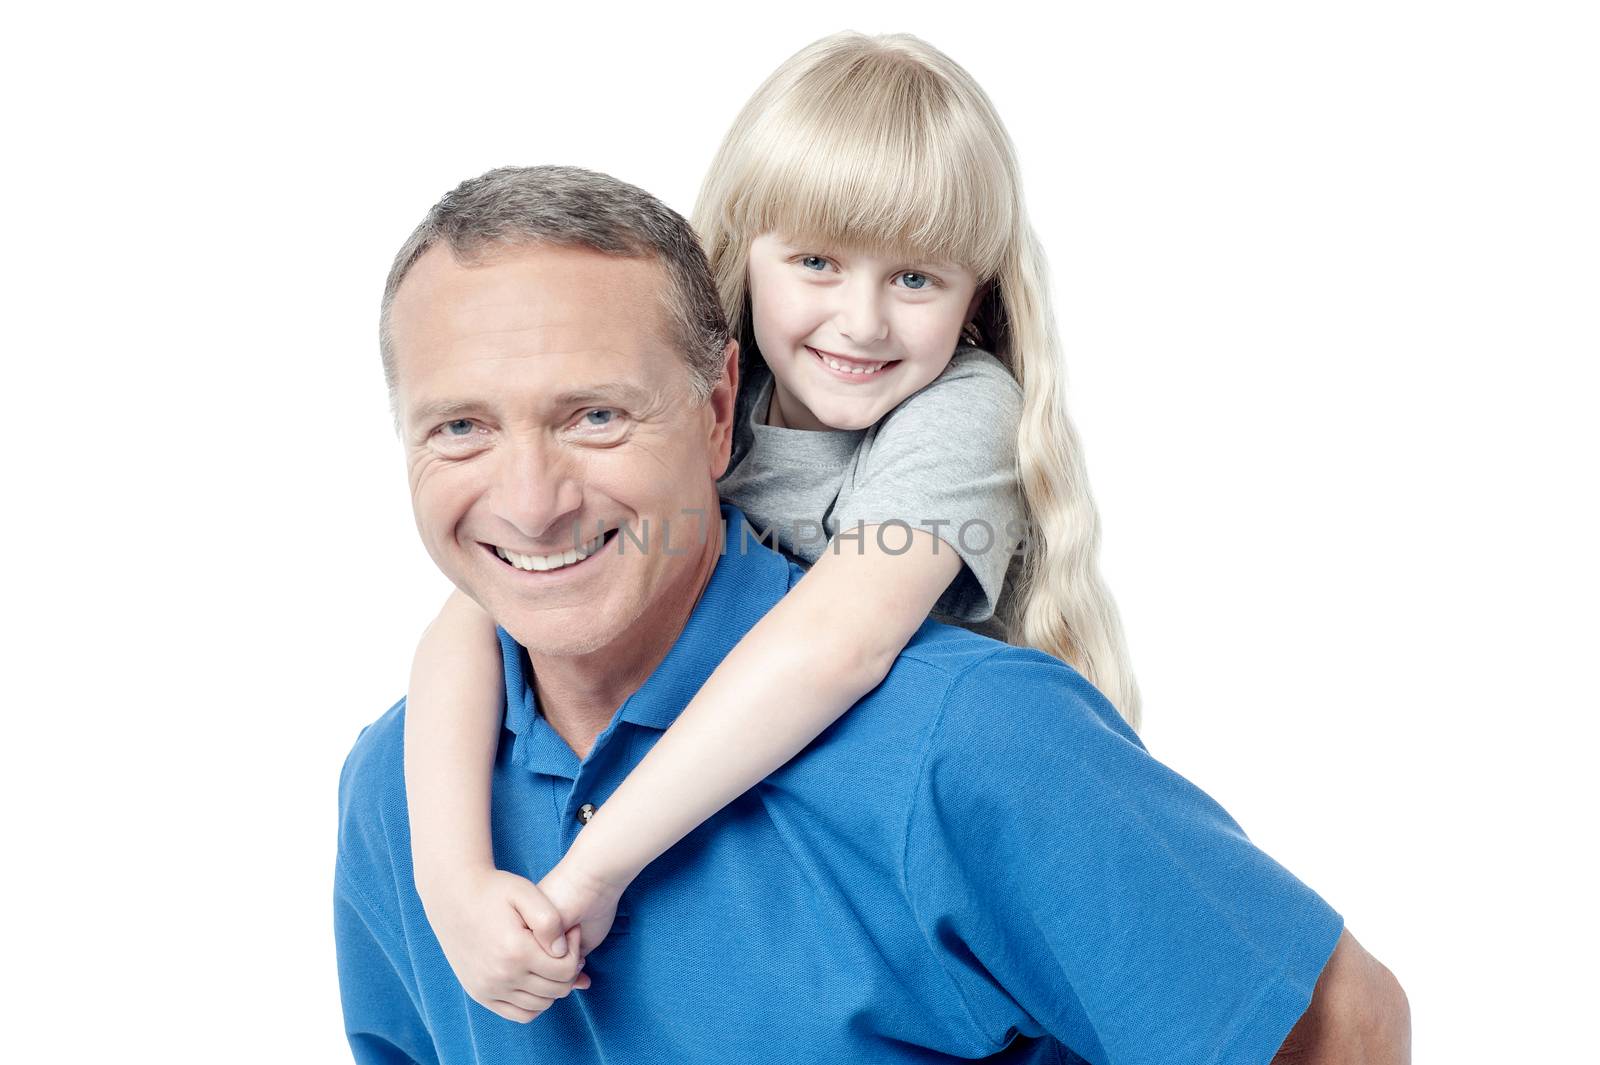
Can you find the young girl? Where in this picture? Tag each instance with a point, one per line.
(865, 224)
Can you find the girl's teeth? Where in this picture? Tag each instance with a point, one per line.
(874, 368)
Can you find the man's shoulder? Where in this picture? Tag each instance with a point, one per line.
(372, 804)
(1022, 690)
(377, 755)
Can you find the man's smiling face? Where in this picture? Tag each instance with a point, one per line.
(550, 428)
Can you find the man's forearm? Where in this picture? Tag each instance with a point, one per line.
(1358, 1015)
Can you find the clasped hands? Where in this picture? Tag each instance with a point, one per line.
(516, 946)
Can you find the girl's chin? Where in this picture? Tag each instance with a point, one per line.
(846, 417)
(829, 410)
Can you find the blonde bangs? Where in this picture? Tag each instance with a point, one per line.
(875, 155)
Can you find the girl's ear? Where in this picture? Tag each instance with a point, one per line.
(970, 331)
(977, 299)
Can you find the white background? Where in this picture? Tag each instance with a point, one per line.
(1327, 280)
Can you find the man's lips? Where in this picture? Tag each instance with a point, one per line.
(554, 562)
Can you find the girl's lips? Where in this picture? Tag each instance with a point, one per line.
(846, 375)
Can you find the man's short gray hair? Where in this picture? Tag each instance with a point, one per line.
(518, 207)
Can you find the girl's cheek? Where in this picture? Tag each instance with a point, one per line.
(794, 319)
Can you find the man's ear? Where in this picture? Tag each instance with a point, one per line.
(722, 404)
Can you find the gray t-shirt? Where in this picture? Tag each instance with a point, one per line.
(944, 460)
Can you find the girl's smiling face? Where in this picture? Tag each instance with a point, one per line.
(850, 333)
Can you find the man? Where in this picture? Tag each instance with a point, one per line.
(979, 860)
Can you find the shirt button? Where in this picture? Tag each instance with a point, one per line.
(585, 812)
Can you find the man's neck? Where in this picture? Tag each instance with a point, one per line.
(579, 694)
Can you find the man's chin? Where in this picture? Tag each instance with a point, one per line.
(557, 629)
(556, 641)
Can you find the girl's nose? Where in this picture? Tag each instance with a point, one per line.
(860, 318)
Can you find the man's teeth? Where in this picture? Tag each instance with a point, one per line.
(545, 562)
(870, 368)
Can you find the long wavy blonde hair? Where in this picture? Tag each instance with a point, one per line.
(884, 142)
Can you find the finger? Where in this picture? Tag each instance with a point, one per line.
(510, 1012)
(518, 951)
(536, 961)
(533, 984)
(562, 968)
(534, 1004)
(541, 917)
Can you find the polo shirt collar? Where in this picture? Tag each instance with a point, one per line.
(745, 583)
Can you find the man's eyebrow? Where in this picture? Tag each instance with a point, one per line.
(444, 410)
(614, 392)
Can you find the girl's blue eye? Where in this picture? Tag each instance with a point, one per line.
(922, 280)
(807, 261)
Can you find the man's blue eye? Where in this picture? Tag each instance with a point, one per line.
(462, 424)
(601, 410)
(922, 280)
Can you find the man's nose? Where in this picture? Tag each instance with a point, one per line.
(860, 318)
(537, 491)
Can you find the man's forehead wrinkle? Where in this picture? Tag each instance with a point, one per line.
(647, 391)
(499, 352)
(516, 322)
(551, 338)
(519, 335)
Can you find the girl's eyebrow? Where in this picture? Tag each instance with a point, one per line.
(929, 261)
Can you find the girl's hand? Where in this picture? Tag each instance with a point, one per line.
(506, 942)
(586, 901)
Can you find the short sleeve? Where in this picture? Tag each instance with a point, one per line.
(383, 1013)
(945, 460)
(1078, 887)
(381, 1017)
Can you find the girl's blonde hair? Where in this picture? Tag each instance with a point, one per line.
(885, 143)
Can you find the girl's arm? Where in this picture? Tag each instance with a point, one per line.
(504, 939)
(826, 644)
(452, 729)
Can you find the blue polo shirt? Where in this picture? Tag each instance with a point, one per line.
(978, 860)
